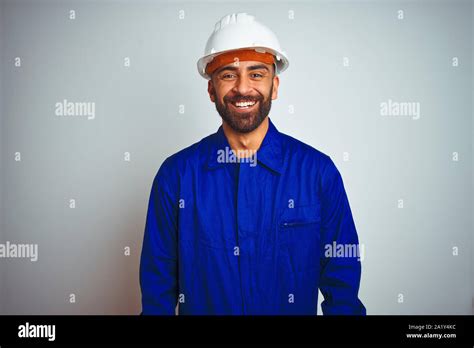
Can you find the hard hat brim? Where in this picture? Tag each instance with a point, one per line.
(281, 61)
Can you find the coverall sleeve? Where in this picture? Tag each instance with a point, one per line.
(158, 263)
(340, 276)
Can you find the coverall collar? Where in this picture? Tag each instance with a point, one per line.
(269, 155)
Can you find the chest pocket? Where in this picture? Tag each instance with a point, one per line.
(299, 237)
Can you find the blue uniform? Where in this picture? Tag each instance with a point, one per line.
(249, 237)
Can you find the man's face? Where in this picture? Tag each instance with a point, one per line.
(243, 93)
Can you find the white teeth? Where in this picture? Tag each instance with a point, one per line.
(244, 104)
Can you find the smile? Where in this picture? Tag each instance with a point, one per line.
(244, 105)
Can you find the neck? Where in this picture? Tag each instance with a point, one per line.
(246, 142)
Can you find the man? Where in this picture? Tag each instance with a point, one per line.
(242, 221)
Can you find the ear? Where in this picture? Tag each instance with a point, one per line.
(276, 83)
(211, 91)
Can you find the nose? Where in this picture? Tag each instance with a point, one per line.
(242, 85)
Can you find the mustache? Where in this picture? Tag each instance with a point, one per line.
(242, 98)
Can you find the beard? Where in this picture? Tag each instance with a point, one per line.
(244, 122)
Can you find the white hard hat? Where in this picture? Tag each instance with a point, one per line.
(241, 31)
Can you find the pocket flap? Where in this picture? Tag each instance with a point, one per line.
(300, 215)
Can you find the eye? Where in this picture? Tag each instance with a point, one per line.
(256, 75)
(227, 76)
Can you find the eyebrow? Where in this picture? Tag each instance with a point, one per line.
(234, 68)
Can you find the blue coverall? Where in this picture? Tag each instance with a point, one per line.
(225, 237)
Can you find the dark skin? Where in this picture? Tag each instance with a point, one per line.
(250, 81)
